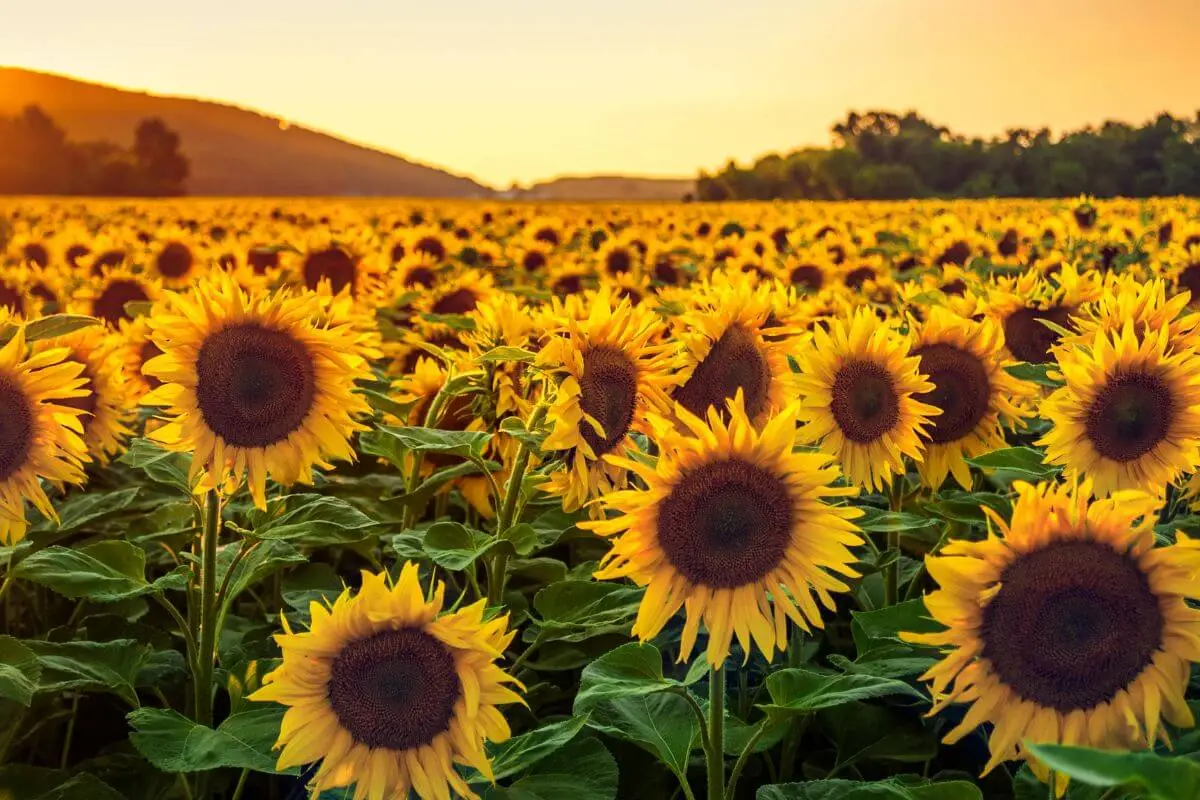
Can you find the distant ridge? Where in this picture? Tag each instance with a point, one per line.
(233, 151)
(609, 187)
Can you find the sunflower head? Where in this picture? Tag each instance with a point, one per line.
(1070, 627)
(108, 296)
(388, 691)
(733, 526)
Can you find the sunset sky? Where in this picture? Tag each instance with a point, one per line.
(529, 89)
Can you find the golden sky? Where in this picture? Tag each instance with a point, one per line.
(528, 89)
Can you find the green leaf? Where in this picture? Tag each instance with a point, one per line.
(523, 538)
(583, 768)
(1164, 777)
(800, 691)
(161, 466)
(311, 519)
(572, 611)
(631, 670)
(518, 354)
(81, 510)
(268, 557)
(898, 788)
(862, 731)
(519, 753)
(105, 572)
(174, 743)
(23, 782)
(1023, 462)
(515, 427)
(20, 671)
(1035, 373)
(56, 325)
(967, 506)
(870, 629)
(455, 546)
(434, 440)
(91, 666)
(664, 724)
(879, 521)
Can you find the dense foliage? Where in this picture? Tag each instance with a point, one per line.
(37, 158)
(885, 155)
(793, 501)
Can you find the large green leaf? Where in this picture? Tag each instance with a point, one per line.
(161, 466)
(519, 753)
(311, 519)
(81, 510)
(23, 782)
(1164, 777)
(800, 691)
(664, 724)
(631, 670)
(1021, 462)
(879, 521)
(174, 743)
(91, 666)
(105, 572)
(967, 507)
(20, 671)
(455, 546)
(861, 731)
(467, 444)
(266, 558)
(884, 626)
(55, 325)
(572, 610)
(582, 768)
(898, 788)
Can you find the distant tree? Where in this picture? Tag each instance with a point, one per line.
(163, 168)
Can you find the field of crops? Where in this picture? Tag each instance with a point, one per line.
(778, 501)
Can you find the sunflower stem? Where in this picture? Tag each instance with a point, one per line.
(891, 572)
(1051, 779)
(512, 493)
(743, 757)
(716, 733)
(208, 610)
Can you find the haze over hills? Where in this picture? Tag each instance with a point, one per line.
(241, 152)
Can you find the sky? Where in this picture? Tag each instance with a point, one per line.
(524, 90)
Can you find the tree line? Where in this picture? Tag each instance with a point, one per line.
(36, 157)
(881, 155)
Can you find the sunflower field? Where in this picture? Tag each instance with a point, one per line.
(383, 499)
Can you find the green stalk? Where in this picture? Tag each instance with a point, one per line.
(891, 573)
(716, 733)
(512, 494)
(208, 610)
(743, 757)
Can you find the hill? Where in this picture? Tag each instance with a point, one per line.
(233, 151)
(609, 187)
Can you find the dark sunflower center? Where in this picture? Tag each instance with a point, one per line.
(431, 246)
(1028, 339)
(608, 392)
(419, 276)
(76, 252)
(568, 284)
(955, 288)
(856, 277)
(396, 689)
(107, 259)
(666, 272)
(1189, 278)
(1085, 217)
(534, 260)
(1129, 416)
(726, 524)
(175, 260)
(957, 253)
(961, 389)
(262, 259)
(109, 305)
(1008, 243)
(16, 427)
(333, 264)
(864, 405)
(254, 385)
(1072, 624)
(398, 252)
(808, 276)
(618, 261)
(11, 299)
(459, 301)
(733, 363)
(37, 253)
(1165, 231)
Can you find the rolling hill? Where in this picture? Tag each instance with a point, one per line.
(233, 151)
(609, 187)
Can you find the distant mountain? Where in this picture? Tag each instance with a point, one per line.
(233, 151)
(609, 187)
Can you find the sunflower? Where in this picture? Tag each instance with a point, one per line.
(429, 242)
(809, 272)
(858, 387)
(388, 692)
(133, 347)
(458, 295)
(107, 403)
(730, 343)
(1022, 308)
(503, 320)
(338, 263)
(618, 257)
(252, 385)
(612, 370)
(734, 527)
(175, 259)
(106, 297)
(40, 434)
(1071, 627)
(1129, 414)
(964, 360)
